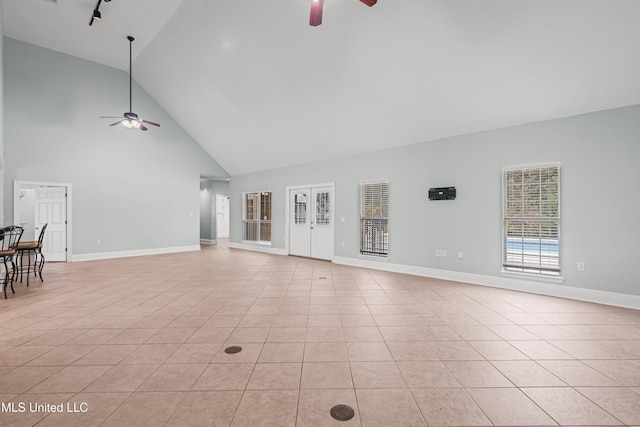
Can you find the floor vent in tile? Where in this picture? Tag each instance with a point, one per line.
(233, 349)
(322, 278)
(342, 412)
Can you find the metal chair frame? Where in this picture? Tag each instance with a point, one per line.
(36, 248)
(9, 241)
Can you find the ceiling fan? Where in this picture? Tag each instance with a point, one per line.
(130, 119)
(315, 17)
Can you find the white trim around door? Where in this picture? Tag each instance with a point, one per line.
(21, 185)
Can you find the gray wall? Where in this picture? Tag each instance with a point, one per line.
(599, 153)
(208, 191)
(133, 190)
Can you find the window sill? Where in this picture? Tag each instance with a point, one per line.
(374, 258)
(529, 276)
(253, 242)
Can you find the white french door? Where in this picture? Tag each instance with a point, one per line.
(311, 222)
(51, 209)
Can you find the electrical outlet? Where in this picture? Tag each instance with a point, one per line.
(98, 241)
(444, 252)
(460, 255)
(581, 266)
(342, 244)
(438, 252)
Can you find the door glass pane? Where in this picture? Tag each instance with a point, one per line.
(300, 209)
(322, 209)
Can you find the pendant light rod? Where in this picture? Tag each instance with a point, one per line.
(131, 39)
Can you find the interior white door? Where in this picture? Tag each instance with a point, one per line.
(51, 209)
(300, 226)
(222, 216)
(322, 223)
(311, 225)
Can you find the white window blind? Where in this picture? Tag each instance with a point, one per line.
(256, 218)
(374, 217)
(531, 220)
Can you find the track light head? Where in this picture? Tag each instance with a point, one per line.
(97, 16)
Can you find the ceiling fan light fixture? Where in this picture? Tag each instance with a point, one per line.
(131, 123)
(131, 120)
(315, 16)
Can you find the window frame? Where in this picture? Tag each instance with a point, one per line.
(549, 263)
(262, 226)
(380, 255)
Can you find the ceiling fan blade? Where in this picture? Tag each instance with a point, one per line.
(142, 127)
(150, 123)
(369, 2)
(116, 123)
(315, 16)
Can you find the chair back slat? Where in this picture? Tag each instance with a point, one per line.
(44, 227)
(10, 237)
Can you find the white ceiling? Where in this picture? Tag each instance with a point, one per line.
(259, 88)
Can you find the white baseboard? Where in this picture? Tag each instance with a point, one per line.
(258, 248)
(515, 284)
(135, 252)
(208, 242)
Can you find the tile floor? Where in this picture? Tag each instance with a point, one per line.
(140, 342)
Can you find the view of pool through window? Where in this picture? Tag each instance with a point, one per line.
(531, 220)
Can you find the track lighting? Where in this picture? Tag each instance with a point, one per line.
(96, 12)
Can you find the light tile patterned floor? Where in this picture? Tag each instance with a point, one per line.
(140, 342)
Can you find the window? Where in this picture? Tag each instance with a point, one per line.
(300, 209)
(374, 216)
(531, 220)
(323, 208)
(256, 218)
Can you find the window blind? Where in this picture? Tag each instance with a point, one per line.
(374, 217)
(257, 217)
(531, 220)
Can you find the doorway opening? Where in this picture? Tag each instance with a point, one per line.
(222, 216)
(38, 203)
(214, 209)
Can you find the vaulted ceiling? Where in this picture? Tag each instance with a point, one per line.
(259, 88)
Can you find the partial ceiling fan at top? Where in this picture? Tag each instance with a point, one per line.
(315, 16)
(130, 119)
